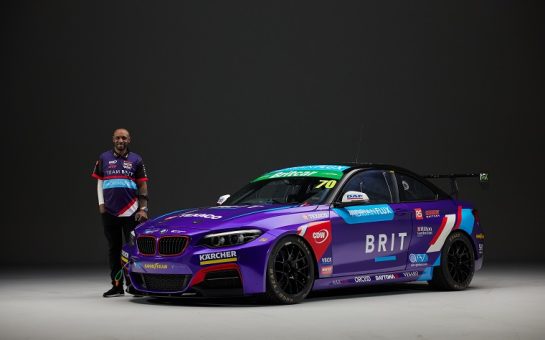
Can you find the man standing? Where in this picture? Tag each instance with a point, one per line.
(122, 199)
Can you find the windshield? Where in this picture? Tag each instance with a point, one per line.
(295, 190)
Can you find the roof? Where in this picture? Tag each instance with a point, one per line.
(333, 171)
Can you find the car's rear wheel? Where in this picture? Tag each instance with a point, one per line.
(457, 264)
(290, 271)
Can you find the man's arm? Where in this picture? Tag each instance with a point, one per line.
(97, 173)
(142, 214)
(100, 194)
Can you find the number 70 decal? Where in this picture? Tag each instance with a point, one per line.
(326, 183)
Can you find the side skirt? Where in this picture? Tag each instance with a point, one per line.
(367, 279)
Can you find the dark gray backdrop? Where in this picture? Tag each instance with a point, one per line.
(217, 92)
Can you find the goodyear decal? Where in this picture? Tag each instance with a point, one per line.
(218, 257)
(155, 266)
(366, 213)
(323, 171)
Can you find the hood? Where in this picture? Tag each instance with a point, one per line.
(197, 220)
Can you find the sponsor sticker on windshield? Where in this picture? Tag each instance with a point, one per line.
(323, 171)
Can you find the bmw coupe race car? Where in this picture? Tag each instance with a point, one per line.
(307, 228)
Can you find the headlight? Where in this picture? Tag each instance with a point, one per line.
(132, 238)
(230, 238)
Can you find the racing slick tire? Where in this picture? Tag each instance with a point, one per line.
(290, 271)
(457, 264)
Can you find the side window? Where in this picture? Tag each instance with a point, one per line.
(411, 189)
(376, 184)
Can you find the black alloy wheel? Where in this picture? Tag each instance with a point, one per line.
(457, 263)
(290, 271)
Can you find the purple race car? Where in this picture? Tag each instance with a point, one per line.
(307, 228)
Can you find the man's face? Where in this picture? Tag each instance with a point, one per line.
(121, 140)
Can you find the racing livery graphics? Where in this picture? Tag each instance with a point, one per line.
(307, 228)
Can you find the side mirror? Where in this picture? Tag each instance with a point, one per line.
(352, 198)
(355, 196)
(222, 199)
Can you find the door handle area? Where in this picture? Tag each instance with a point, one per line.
(401, 211)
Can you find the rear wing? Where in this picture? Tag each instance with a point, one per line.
(483, 179)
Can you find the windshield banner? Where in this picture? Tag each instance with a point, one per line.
(323, 171)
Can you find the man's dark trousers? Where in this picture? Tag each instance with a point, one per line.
(114, 229)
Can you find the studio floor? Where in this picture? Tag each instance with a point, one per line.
(503, 302)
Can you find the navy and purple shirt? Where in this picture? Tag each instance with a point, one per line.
(120, 175)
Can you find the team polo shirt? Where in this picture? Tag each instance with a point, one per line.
(120, 175)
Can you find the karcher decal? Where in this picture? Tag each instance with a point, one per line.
(218, 257)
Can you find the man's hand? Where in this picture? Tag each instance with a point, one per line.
(141, 216)
(101, 208)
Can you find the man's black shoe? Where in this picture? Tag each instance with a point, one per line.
(115, 291)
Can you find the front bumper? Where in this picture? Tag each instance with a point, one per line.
(200, 271)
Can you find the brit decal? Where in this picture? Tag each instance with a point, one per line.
(385, 242)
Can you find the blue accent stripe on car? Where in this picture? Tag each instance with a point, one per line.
(385, 258)
(426, 275)
(437, 261)
(118, 183)
(365, 213)
(171, 213)
(467, 221)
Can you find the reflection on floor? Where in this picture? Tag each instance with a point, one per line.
(504, 302)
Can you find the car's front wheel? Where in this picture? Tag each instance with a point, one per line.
(457, 264)
(290, 271)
